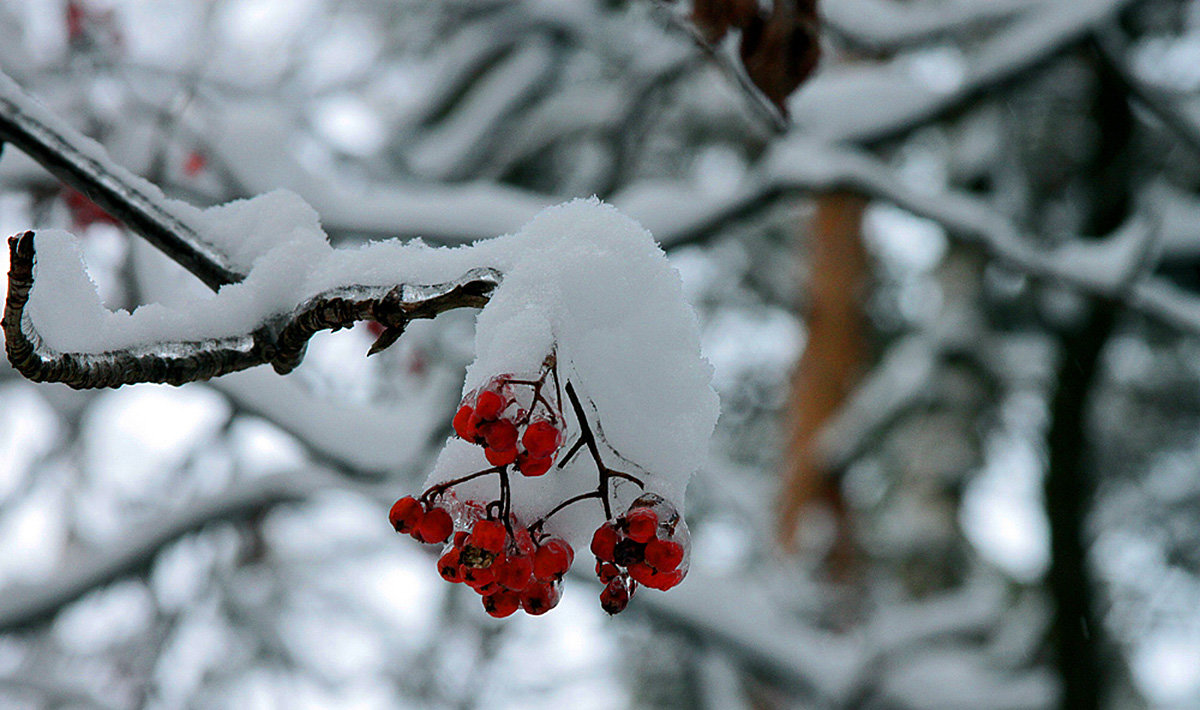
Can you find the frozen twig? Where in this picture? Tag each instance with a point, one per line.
(83, 164)
(280, 341)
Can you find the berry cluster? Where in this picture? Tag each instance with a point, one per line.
(511, 567)
(514, 566)
(647, 545)
(514, 422)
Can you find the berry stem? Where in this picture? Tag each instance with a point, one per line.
(440, 488)
(571, 452)
(573, 499)
(589, 439)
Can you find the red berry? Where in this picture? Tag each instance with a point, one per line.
(540, 597)
(533, 467)
(552, 559)
(500, 435)
(463, 426)
(615, 596)
(664, 580)
(449, 567)
(501, 603)
(641, 572)
(477, 577)
(488, 535)
(460, 538)
(541, 439)
(436, 526)
(604, 541)
(664, 555)
(628, 552)
(488, 405)
(194, 163)
(500, 458)
(642, 524)
(406, 514)
(606, 571)
(516, 573)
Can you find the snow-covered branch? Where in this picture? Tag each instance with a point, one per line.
(280, 339)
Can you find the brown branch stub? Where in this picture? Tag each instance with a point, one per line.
(281, 341)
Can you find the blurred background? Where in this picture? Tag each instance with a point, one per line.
(948, 302)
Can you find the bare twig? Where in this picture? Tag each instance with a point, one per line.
(280, 341)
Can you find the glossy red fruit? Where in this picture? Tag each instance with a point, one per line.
(499, 458)
(605, 571)
(194, 164)
(552, 559)
(663, 581)
(533, 467)
(500, 435)
(436, 526)
(449, 567)
(541, 439)
(641, 572)
(501, 603)
(488, 535)
(540, 597)
(642, 524)
(406, 514)
(463, 426)
(664, 555)
(604, 541)
(516, 573)
(488, 405)
(615, 595)
(477, 578)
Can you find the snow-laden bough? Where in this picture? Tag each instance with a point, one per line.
(586, 411)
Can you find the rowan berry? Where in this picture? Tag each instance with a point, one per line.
(627, 552)
(500, 435)
(552, 559)
(541, 439)
(436, 526)
(488, 405)
(540, 597)
(477, 577)
(499, 458)
(501, 603)
(533, 467)
(663, 581)
(464, 425)
(488, 535)
(406, 514)
(449, 567)
(664, 555)
(606, 571)
(615, 595)
(604, 542)
(515, 573)
(641, 523)
(641, 572)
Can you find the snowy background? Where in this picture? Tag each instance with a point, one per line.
(226, 544)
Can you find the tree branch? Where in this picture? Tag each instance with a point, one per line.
(280, 341)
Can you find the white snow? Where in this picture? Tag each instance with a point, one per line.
(580, 279)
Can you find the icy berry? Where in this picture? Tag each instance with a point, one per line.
(541, 439)
(406, 514)
(627, 552)
(615, 595)
(531, 466)
(642, 524)
(488, 535)
(436, 526)
(515, 573)
(663, 581)
(540, 597)
(449, 567)
(552, 559)
(604, 542)
(488, 405)
(500, 435)
(664, 555)
(641, 572)
(606, 571)
(501, 603)
(499, 458)
(463, 424)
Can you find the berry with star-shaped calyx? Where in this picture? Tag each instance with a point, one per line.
(541, 597)
(615, 595)
(501, 603)
(406, 514)
(552, 559)
(436, 526)
(541, 439)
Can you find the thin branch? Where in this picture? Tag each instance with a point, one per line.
(84, 165)
(280, 341)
